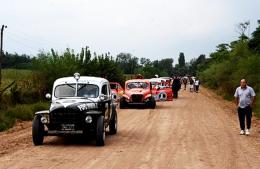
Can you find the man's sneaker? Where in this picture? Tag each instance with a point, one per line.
(247, 132)
(242, 132)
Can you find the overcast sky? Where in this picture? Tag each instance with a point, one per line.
(153, 29)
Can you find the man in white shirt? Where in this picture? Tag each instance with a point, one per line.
(197, 84)
(245, 98)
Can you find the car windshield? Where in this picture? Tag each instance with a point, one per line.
(133, 85)
(113, 86)
(84, 90)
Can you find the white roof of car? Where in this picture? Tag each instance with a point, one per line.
(82, 79)
(156, 79)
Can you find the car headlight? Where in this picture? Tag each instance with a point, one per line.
(88, 119)
(44, 120)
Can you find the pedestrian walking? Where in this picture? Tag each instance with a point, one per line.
(191, 84)
(245, 99)
(197, 85)
(185, 81)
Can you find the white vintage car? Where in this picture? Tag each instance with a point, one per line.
(79, 105)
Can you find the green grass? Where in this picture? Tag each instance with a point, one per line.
(256, 109)
(16, 74)
(20, 112)
(10, 112)
(9, 75)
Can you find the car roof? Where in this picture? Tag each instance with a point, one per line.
(138, 80)
(156, 79)
(83, 79)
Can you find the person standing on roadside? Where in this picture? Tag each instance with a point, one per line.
(197, 85)
(245, 99)
(176, 85)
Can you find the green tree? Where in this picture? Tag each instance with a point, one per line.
(181, 59)
(166, 65)
(254, 42)
(127, 63)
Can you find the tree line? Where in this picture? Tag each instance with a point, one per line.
(221, 70)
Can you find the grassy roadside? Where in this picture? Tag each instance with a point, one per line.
(226, 96)
(11, 112)
(256, 109)
(9, 75)
(23, 112)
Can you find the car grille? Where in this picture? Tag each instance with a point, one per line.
(66, 116)
(137, 98)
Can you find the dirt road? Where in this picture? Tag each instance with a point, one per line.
(198, 130)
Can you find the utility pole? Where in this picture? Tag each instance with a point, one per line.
(1, 53)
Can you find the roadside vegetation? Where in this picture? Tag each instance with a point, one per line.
(232, 62)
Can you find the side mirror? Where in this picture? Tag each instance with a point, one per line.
(48, 96)
(102, 97)
(114, 97)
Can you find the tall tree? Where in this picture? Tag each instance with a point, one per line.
(127, 62)
(254, 42)
(166, 65)
(241, 29)
(181, 60)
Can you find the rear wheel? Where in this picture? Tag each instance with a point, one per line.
(37, 131)
(152, 103)
(100, 132)
(113, 123)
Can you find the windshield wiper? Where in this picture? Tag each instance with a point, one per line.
(82, 87)
(69, 85)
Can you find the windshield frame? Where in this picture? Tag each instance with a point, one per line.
(76, 84)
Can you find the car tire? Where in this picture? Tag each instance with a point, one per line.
(100, 132)
(122, 104)
(152, 103)
(113, 123)
(37, 131)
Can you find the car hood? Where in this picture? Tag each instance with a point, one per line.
(73, 104)
(136, 91)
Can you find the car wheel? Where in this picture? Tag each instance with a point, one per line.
(152, 103)
(100, 133)
(113, 123)
(37, 131)
(122, 104)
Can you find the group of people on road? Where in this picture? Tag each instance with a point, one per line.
(193, 82)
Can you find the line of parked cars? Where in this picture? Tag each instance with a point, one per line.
(83, 105)
(146, 92)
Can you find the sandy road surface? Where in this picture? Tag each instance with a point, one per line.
(195, 131)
